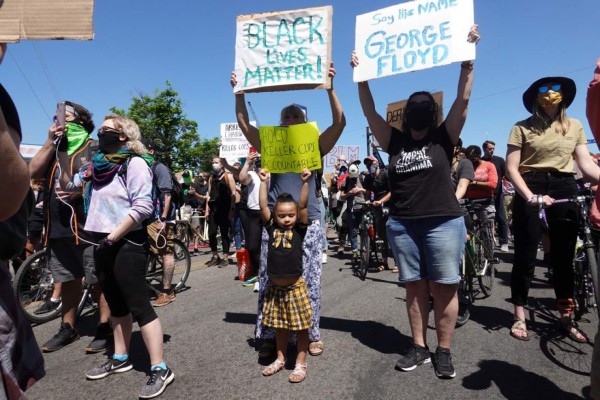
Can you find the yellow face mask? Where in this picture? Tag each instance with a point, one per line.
(549, 99)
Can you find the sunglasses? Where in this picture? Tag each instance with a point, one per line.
(106, 129)
(544, 89)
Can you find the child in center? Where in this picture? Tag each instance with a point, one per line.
(286, 306)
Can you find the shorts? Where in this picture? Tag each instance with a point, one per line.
(427, 248)
(287, 307)
(161, 243)
(69, 261)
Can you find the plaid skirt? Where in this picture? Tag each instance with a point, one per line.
(287, 307)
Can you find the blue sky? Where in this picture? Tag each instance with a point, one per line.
(140, 45)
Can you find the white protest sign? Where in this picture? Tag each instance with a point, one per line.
(234, 144)
(283, 50)
(350, 152)
(413, 36)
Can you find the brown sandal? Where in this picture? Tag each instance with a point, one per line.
(298, 374)
(273, 368)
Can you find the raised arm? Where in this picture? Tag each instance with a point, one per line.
(593, 103)
(458, 112)
(330, 136)
(245, 178)
(303, 201)
(379, 126)
(241, 112)
(263, 196)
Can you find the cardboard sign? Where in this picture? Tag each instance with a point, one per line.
(234, 144)
(412, 36)
(350, 152)
(283, 50)
(290, 148)
(395, 111)
(46, 19)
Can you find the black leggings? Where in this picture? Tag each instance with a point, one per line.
(121, 270)
(253, 233)
(562, 230)
(218, 218)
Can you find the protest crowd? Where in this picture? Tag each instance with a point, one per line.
(101, 207)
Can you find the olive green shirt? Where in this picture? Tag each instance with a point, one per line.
(548, 151)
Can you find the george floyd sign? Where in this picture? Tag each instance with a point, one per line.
(46, 19)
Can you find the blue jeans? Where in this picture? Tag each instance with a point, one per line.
(353, 218)
(237, 228)
(428, 248)
(501, 219)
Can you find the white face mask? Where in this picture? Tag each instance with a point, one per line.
(216, 167)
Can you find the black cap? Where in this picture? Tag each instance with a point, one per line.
(568, 90)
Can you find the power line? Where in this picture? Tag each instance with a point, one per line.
(46, 71)
(29, 84)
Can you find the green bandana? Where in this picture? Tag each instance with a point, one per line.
(76, 135)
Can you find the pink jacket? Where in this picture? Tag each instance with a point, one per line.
(593, 116)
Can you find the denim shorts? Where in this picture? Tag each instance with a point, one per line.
(427, 248)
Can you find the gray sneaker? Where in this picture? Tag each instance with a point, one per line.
(414, 357)
(112, 366)
(158, 382)
(223, 262)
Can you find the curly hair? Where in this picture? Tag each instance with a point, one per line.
(131, 130)
(83, 117)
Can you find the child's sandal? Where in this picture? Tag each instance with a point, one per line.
(273, 368)
(298, 374)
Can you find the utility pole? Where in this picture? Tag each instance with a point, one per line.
(368, 141)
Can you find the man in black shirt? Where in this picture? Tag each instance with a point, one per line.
(488, 155)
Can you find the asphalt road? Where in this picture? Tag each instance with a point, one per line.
(209, 345)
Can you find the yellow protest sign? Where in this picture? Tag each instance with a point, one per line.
(290, 148)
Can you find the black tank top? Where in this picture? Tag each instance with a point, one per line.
(220, 195)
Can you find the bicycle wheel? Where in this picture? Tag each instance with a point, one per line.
(593, 268)
(183, 265)
(487, 239)
(464, 303)
(87, 299)
(485, 277)
(482, 269)
(33, 285)
(365, 248)
(584, 290)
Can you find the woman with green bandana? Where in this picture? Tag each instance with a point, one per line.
(64, 218)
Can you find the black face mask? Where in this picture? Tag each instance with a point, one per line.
(107, 142)
(419, 115)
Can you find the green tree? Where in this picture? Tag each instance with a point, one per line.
(161, 119)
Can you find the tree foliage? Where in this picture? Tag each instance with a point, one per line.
(161, 118)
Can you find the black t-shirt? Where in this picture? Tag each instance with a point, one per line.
(192, 200)
(500, 165)
(379, 184)
(60, 214)
(284, 259)
(418, 175)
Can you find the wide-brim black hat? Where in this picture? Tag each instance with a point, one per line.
(568, 90)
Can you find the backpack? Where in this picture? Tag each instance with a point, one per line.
(177, 193)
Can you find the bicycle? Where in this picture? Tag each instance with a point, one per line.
(33, 286)
(476, 264)
(181, 272)
(585, 263)
(369, 244)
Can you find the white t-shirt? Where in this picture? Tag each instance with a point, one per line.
(253, 191)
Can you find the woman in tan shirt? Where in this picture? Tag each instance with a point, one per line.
(539, 163)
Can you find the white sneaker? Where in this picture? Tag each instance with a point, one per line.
(504, 248)
(324, 258)
(256, 287)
